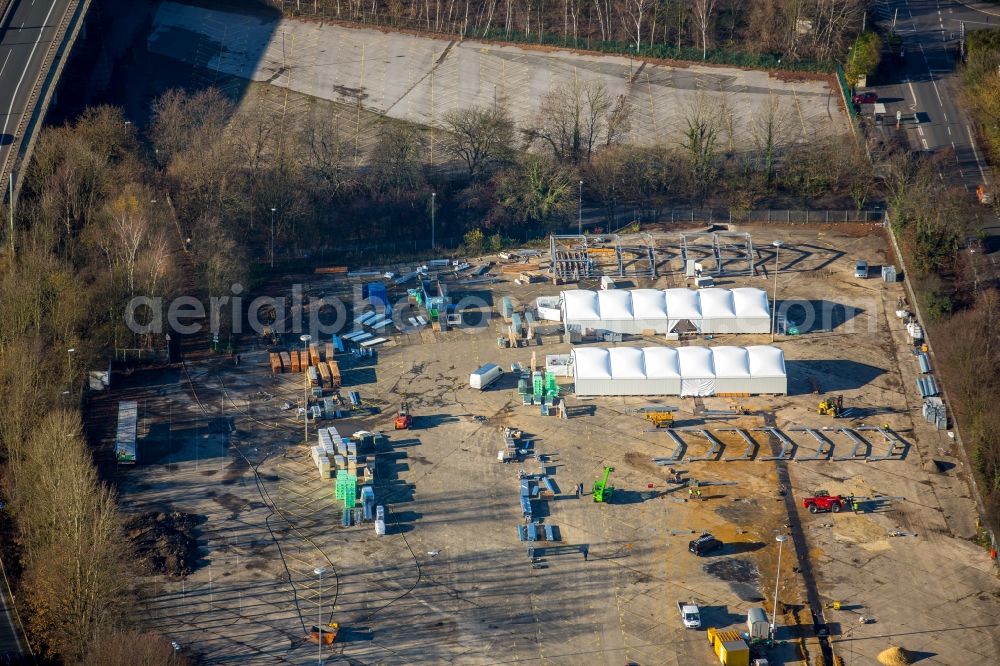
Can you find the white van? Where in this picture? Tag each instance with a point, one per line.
(485, 376)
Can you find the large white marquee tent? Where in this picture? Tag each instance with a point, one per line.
(685, 371)
(711, 311)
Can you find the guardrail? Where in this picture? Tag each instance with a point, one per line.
(42, 89)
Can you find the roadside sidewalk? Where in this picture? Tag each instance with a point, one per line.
(990, 8)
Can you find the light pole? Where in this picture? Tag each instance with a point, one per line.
(273, 211)
(69, 366)
(579, 211)
(433, 202)
(777, 576)
(774, 297)
(305, 386)
(319, 616)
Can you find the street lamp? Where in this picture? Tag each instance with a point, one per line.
(774, 297)
(319, 571)
(433, 202)
(69, 366)
(273, 211)
(777, 576)
(305, 386)
(579, 211)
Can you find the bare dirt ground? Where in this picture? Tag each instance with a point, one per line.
(450, 581)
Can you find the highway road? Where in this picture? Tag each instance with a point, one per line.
(925, 88)
(28, 27)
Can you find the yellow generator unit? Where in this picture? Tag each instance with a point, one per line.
(729, 647)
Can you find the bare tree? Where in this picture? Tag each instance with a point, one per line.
(704, 18)
(395, 159)
(619, 122)
(572, 117)
(700, 140)
(482, 137)
(769, 131)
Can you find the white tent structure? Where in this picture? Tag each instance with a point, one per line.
(711, 311)
(685, 371)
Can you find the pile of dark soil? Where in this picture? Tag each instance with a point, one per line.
(164, 543)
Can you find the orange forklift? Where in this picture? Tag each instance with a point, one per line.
(403, 418)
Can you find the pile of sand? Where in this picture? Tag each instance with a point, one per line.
(933, 466)
(895, 656)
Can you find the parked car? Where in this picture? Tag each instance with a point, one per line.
(861, 269)
(704, 544)
(867, 97)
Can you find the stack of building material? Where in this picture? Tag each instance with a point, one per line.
(275, 359)
(335, 381)
(303, 359)
(380, 520)
(329, 351)
(324, 373)
(286, 361)
(295, 362)
(314, 354)
(313, 376)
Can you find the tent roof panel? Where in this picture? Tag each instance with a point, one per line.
(731, 362)
(717, 303)
(683, 304)
(591, 363)
(661, 362)
(766, 361)
(649, 304)
(695, 362)
(581, 304)
(626, 363)
(751, 302)
(615, 304)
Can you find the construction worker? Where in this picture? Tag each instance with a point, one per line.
(693, 489)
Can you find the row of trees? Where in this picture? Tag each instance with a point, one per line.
(794, 29)
(88, 237)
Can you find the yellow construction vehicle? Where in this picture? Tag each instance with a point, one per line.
(661, 416)
(324, 635)
(831, 406)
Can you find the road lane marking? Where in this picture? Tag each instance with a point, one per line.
(5, 62)
(924, 142)
(949, 129)
(27, 64)
(975, 152)
(920, 131)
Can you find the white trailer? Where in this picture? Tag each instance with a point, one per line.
(485, 376)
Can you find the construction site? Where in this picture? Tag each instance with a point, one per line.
(429, 484)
